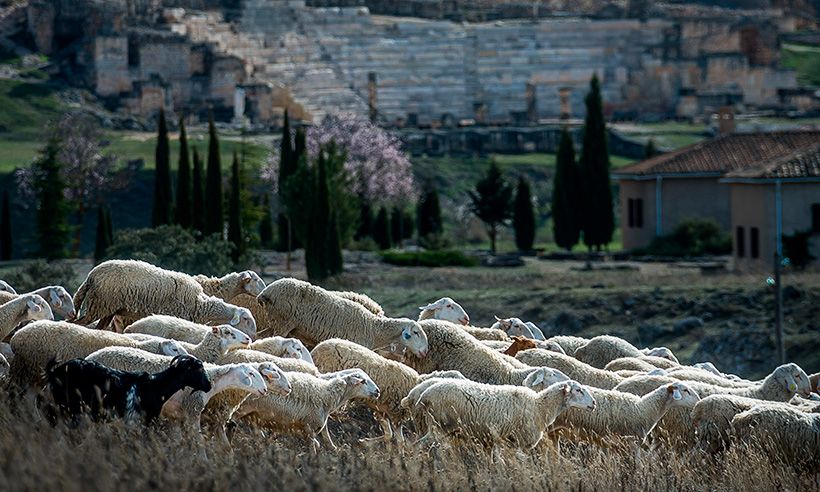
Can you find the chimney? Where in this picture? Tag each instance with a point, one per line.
(564, 94)
(371, 96)
(726, 120)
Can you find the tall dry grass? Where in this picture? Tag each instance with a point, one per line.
(35, 456)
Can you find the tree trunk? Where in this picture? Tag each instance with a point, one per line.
(492, 239)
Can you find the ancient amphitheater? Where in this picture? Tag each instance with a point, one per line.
(407, 71)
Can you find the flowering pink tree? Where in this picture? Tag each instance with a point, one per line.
(380, 170)
(88, 171)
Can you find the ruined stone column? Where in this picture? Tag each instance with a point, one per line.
(371, 96)
(564, 94)
(532, 103)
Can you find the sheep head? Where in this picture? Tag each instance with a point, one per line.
(5, 287)
(413, 337)
(793, 379)
(230, 337)
(543, 377)
(360, 384)
(252, 283)
(575, 395)
(447, 309)
(37, 308)
(171, 348)
(243, 320)
(681, 395)
(275, 378)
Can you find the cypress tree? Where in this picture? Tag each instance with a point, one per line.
(109, 228)
(214, 217)
(491, 201)
(565, 226)
(408, 224)
(334, 249)
(197, 196)
(235, 213)
(5, 229)
(266, 224)
(381, 229)
(365, 226)
(299, 146)
(396, 225)
(429, 212)
(183, 209)
(52, 229)
(316, 245)
(162, 176)
(650, 150)
(287, 166)
(523, 216)
(101, 242)
(597, 217)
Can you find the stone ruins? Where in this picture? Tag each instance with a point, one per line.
(253, 58)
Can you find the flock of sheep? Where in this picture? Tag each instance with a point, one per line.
(139, 342)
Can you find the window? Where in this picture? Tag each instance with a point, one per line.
(739, 241)
(815, 217)
(754, 242)
(639, 213)
(631, 212)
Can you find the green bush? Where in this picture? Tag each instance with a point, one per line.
(438, 258)
(40, 273)
(692, 237)
(174, 248)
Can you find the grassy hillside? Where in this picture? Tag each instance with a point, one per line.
(805, 60)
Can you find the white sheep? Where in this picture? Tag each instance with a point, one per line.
(310, 403)
(312, 314)
(238, 356)
(514, 327)
(785, 433)
(5, 287)
(601, 350)
(662, 352)
(783, 383)
(495, 413)
(21, 309)
(453, 349)
(643, 363)
(362, 299)
(569, 343)
(232, 285)
(218, 341)
(574, 368)
(393, 378)
(38, 342)
(712, 418)
(536, 331)
(685, 373)
(292, 348)
(137, 289)
(625, 414)
(445, 309)
(56, 296)
(487, 334)
(164, 326)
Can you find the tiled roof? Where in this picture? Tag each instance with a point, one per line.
(724, 154)
(803, 163)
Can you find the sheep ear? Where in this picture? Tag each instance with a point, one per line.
(245, 277)
(538, 379)
(405, 333)
(497, 318)
(676, 395)
(55, 298)
(431, 306)
(235, 319)
(33, 306)
(567, 388)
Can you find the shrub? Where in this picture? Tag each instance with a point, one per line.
(174, 248)
(692, 237)
(40, 273)
(438, 258)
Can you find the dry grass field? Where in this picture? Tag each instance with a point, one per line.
(35, 456)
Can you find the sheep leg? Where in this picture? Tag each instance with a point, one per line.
(387, 432)
(104, 322)
(326, 436)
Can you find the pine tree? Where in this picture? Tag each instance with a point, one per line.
(197, 196)
(565, 226)
(287, 166)
(597, 216)
(650, 150)
(162, 176)
(429, 212)
(381, 229)
(491, 201)
(235, 213)
(52, 228)
(5, 229)
(101, 242)
(182, 213)
(396, 225)
(266, 224)
(523, 216)
(214, 216)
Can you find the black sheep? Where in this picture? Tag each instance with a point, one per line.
(80, 386)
